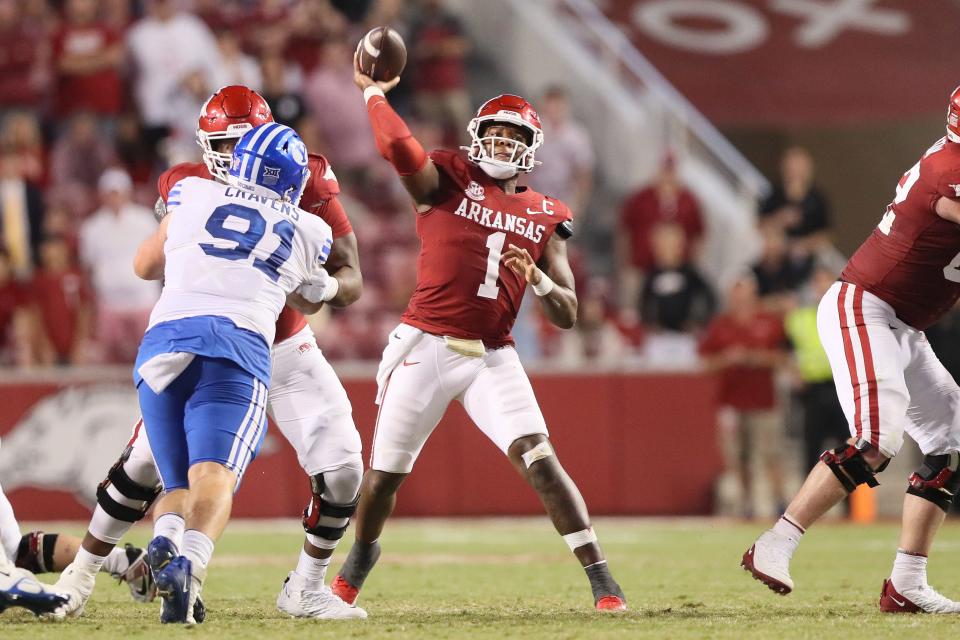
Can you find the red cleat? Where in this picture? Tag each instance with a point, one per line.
(892, 602)
(611, 603)
(344, 590)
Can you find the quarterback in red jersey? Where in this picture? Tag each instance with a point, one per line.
(900, 281)
(306, 399)
(483, 239)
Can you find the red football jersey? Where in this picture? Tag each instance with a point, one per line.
(463, 288)
(319, 198)
(911, 261)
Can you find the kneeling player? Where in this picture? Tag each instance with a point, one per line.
(18, 586)
(41, 552)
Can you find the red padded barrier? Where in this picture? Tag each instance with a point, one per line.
(637, 444)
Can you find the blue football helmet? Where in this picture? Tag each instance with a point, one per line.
(270, 160)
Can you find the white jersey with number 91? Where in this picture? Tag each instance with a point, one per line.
(235, 254)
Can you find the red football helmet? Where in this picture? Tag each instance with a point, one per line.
(953, 116)
(505, 109)
(227, 115)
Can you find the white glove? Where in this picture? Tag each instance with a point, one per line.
(321, 287)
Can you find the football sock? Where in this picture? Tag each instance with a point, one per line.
(311, 569)
(359, 562)
(601, 581)
(909, 570)
(117, 562)
(790, 531)
(89, 563)
(170, 525)
(198, 548)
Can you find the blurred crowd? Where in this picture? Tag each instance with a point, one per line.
(98, 97)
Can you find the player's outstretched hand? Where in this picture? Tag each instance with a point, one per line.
(521, 263)
(363, 81)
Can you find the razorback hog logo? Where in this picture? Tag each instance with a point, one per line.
(68, 441)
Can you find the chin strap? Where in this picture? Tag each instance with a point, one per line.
(497, 171)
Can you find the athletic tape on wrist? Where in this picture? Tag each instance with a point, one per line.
(545, 285)
(579, 538)
(331, 290)
(372, 90)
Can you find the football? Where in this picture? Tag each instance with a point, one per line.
(382, 54)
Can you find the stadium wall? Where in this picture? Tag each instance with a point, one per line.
(638, 444)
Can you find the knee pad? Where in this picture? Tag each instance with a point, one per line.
(35, 552)
(333, 500)
(119, 481)
(850, 467)
(937, 480)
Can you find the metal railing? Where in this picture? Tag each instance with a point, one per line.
(688, 126)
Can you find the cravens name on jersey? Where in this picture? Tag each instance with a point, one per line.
(285, 208)
(499, 220)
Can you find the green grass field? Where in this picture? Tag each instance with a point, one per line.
(515, 578)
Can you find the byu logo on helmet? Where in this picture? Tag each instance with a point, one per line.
(298, 151)
(271, 161)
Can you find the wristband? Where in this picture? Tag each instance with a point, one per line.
(331, 290)
(545, 285)
(372, 90)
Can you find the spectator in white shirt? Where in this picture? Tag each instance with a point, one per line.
(108, 244)
(167, 47)
(567, 154)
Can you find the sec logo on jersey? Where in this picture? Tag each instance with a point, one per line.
(474, 191)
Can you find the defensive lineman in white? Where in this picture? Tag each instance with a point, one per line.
(231, 256)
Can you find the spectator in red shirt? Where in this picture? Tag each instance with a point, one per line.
(77, 160)
(63, 300)
(664, 201)
(745, 347)
(439, 74)
(23, 58)
(88, 56)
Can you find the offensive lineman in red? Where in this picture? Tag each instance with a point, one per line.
(306, 399)
(483, 239)
(871, 322)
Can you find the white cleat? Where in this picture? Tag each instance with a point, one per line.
(77, 586)
(768, 561)
(922, 599)
(299, 602)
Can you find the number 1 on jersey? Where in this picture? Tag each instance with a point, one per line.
(489, 288)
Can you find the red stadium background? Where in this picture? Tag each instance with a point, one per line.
(636, 444)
